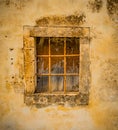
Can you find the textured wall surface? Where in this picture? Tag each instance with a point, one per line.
(102, 111)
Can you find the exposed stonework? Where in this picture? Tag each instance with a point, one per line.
(43, 100)
(59, 31)
(73, 19)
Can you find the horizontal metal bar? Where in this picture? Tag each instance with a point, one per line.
(57, 55)
(68, 74)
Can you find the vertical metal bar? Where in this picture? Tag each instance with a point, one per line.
(64, 65)
(49, 68)
(79, 61)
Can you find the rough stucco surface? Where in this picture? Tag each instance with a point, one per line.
(102, 111)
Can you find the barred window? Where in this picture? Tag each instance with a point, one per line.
(56, 65)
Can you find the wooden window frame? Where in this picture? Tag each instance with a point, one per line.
(45, 99)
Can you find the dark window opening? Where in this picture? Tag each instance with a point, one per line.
(57, 62)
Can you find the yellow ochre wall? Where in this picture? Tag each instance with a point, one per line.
(102, 111)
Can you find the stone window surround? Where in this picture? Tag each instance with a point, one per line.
(43, 99)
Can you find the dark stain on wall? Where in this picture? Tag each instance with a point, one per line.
(95, 5)
(8, 2)
(73, 19)
(18, 4)
(112, 6)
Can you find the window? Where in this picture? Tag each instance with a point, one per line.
(56, 65)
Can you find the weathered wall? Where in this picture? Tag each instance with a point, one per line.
(102, 111)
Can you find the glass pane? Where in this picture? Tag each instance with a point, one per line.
(42, 84)
(72, 83)
(57, 46)
(57, 84)
(42, 46)
(72, 46)
(57, 65)
(42, 65)
(72, 64)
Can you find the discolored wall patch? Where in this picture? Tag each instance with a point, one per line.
(95, 5)
(72, 19)
(112, 6)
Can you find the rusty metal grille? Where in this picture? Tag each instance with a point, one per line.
(57, 60)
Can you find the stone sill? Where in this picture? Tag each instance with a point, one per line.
(46, 99)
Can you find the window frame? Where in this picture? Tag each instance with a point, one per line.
(29, 45)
